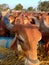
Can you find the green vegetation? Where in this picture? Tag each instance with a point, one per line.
(42, 6)
(18, 7)
(4, 6)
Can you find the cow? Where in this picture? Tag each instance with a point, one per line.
(42, 21)
(43, 25)
(30, 35)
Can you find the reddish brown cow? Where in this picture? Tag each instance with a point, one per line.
(30, 36)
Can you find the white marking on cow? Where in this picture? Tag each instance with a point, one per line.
(20, 36)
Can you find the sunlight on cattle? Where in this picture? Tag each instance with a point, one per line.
(28, 29)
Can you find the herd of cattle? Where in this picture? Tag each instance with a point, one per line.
(41, 20)
(30, 28)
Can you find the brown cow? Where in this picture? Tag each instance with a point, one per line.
(30, 35)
